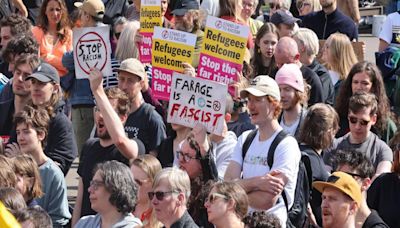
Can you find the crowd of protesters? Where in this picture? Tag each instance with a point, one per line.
(306, 111)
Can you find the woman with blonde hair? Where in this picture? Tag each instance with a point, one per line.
(144, 169)
(227, 205)
(339, 57)
(307, 6)
(126, 47)
(28, 178)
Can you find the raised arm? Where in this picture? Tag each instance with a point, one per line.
(112, 121)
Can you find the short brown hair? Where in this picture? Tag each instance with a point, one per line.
(361, 100)
(123, 102)
(319, 126)
(28, 58)
(235, 192)
(26, 166)
(18, 24)
(37, 118)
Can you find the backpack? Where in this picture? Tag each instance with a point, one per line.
(297, 214)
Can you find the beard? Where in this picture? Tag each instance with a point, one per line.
(184, 26)
(104, 135)
(326, 4)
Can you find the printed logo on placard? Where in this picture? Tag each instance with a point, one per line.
(164, 34)
(218, 24)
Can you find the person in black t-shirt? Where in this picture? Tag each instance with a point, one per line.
(111, 111)
(143, 121)
(361, 169)
(383, 195)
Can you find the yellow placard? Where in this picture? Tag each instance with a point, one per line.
(150, 16)
(223, 45)
(171, 55)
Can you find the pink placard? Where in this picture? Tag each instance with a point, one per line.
(218, 70)
(145, 47)
(161, 83)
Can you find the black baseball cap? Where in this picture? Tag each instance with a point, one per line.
(182, 6)
(45, 73)
(281, 16)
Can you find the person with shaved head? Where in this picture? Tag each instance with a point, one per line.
(288, 52)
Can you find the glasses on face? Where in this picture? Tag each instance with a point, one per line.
(354, 120)
(212, 197)
(300, 5)
(274, 5)
(248, 4)
(160, 195)
(95, 184)
(185, 157)
(141, 182)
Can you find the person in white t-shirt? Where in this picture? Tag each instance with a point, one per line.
(390, 33)
(262, 183)
(293, 98)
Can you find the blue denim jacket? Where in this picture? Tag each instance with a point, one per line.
(78, 89)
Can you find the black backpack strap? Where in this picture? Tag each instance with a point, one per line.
(307, 164)
(270, 158)
(249, 139)
(271, 152)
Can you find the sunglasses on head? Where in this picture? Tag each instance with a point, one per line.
(160, 195)
(212, 197)
(300, 5)
(354, 120)
(274, 6)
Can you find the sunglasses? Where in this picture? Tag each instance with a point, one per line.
(274, 6)
(95, 184)
(160, 195)
(212, 197)
(300, 5)
(354, 120)
(185, 157)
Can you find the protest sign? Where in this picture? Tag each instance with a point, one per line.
(171, 48)
(92, 49)
(150, 16)
(222, 52)
(194, 100)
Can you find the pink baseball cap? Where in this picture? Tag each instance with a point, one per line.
(290, 74)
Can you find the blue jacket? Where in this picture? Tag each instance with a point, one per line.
(78, 89)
